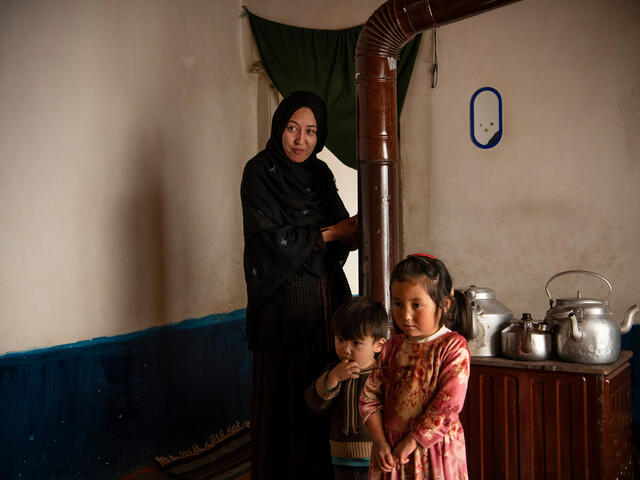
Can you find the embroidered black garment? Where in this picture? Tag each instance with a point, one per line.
(285, 204)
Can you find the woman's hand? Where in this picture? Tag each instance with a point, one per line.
(382, 457)
(345, 231)
(403, 449)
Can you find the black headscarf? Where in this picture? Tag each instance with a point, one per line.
(285, 204)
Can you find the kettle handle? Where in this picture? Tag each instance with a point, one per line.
(526, 338)
(586, 272)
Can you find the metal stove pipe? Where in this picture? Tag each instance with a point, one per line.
(379, 45)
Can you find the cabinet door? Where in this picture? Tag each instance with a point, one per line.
(491, 425)
(615, 426)
(528, 424)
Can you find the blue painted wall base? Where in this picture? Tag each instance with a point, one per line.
(97, 409)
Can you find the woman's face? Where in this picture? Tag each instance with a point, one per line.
(300, 135)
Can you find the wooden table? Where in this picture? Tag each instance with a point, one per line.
(548, 420)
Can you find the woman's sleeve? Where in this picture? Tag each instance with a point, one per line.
(448, 400)
(372, 396)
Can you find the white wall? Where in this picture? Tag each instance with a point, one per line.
(561, 189)
(126, 124)
(347, 184)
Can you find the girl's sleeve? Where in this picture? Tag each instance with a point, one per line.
(446, 404)
(372, 394)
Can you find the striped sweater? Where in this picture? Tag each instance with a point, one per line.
(348, 437)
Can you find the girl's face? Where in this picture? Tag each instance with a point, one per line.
(300, 135)
(413, 309)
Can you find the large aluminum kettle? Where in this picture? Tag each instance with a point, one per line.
(489, 318)
(584, 330)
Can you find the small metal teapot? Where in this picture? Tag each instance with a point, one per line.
(527, 339)
(584, 330)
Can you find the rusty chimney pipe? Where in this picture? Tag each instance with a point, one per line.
(390, 27)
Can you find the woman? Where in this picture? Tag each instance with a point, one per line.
(297, 236)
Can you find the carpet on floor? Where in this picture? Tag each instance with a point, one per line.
(225, 456)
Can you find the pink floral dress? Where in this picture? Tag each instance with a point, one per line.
(420, 388)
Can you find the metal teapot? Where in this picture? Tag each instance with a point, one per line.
(489, 318)
(584, 330)
(527, 339)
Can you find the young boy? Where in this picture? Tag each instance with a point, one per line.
(360, 327)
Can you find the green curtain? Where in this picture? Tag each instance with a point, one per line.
(323, 62)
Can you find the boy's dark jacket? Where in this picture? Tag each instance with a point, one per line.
(348, 437)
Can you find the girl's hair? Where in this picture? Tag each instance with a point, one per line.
(433, 276)
(358, 317)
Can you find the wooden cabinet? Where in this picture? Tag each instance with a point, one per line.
(548, 420)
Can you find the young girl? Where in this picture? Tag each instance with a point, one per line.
(411, 400)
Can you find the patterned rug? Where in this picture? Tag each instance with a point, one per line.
(225, 456)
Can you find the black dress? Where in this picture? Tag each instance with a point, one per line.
(294, 282)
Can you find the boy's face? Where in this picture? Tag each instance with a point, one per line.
(361, 351)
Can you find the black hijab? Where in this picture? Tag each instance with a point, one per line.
(285, 204)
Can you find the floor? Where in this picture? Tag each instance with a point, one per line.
(152, 470)
(147, 472)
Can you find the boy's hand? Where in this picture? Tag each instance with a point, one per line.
(405, 448)
(345, 369)
(381, 456)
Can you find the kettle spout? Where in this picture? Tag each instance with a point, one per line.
(576, 333)
(629, 319)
